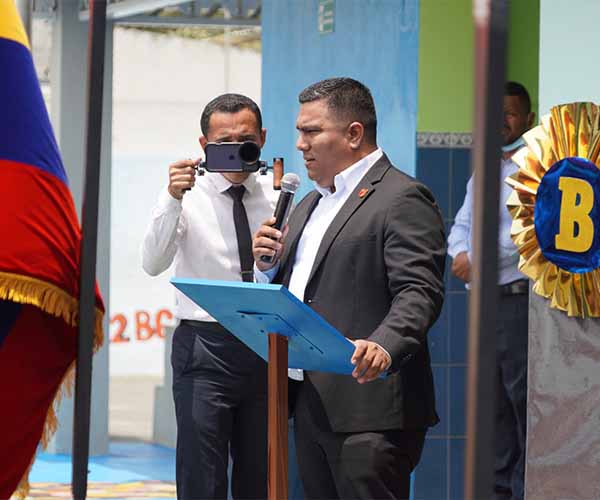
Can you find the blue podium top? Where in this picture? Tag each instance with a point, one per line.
(251, 311)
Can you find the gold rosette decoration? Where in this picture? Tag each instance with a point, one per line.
(571, 134)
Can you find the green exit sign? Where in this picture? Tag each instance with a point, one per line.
(326, 15)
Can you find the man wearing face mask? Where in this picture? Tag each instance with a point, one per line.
(511, 328)
(219, 385)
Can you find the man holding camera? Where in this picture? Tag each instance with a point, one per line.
(219, 385)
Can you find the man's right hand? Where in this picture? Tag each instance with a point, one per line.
(182, 176)
(461, 267)
(267, 241)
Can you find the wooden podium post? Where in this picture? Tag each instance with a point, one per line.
(278, 417)
(252, 310)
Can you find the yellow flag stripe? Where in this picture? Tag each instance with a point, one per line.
(11, 26)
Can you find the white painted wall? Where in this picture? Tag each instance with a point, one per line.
(161, 84)
(569, 42)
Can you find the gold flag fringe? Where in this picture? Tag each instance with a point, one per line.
(55, 301)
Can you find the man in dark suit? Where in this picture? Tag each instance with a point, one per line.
(365, 250)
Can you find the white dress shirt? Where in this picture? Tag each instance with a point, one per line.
(460, 238)
(198, 233)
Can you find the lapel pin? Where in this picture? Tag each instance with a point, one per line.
(363, 192)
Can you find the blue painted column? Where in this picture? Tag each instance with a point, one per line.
(373, 42)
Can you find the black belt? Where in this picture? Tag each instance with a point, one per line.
(519, 287)
(206, 325)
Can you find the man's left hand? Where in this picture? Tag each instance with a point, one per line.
(370, 361)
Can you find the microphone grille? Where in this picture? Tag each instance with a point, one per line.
(290, 182)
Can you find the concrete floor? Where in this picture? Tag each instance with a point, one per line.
(133, 468)
(131, 407)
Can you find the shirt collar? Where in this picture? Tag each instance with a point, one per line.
(349, 178)
(221, 184)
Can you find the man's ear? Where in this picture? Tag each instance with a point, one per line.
(263, 137)
(530, 119)
(202, 140)
(355, 134)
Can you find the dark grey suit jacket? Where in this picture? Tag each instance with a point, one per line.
(378, 275)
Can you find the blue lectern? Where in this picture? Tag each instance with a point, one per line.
(285, 332)
(251, 311)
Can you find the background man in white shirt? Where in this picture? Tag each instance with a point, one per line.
(512, 334)
(219, 385)
(365, 250)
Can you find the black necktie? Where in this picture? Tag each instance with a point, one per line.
(242, 231)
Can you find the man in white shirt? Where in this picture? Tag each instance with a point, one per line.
(512, 333)
(366, 250)
(219, 385)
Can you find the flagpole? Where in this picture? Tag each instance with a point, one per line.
(491, 19)
(89, 238)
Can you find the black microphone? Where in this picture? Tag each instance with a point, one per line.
(289, 184)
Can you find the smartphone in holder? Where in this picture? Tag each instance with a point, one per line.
(232, 157)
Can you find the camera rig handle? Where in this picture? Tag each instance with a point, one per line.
(277, 173)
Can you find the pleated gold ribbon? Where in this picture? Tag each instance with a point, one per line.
(569, 130)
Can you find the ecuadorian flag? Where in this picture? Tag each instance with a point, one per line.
(39, 263)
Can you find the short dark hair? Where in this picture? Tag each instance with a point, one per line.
(518, 90)
(348, 99)
(228, 103)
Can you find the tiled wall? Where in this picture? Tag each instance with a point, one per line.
(443, 164)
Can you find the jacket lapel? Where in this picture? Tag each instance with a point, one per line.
(365, 188)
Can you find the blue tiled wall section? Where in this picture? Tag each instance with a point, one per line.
(431, 477)
(439, 476)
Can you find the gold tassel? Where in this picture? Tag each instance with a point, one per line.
(55, 301)
(49, 298)
(23, 489)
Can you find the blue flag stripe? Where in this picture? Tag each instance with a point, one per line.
(25, 132)
(8, 315)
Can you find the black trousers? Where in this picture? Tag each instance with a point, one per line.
(220, 393)
(365, 465)
(511, 402)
